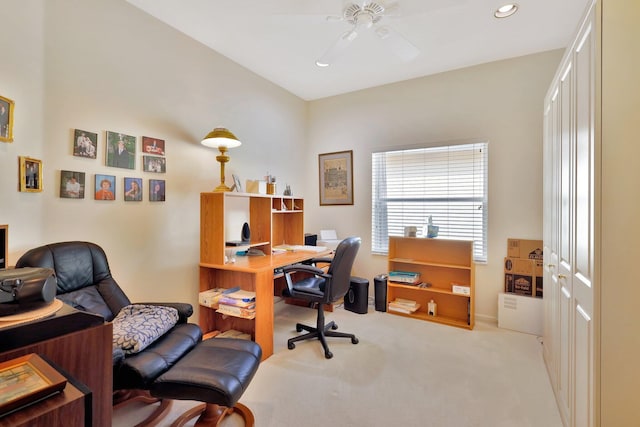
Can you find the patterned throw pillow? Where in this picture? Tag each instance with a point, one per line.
(138, 325)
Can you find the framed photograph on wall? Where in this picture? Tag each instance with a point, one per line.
(105, 187)
(156, 190)
(30, 174)
(121, 150)
(336, 178)
(6, 119)
(154, 164)
(85, 144)
(153, 146)
(133, 189)
(72, 185)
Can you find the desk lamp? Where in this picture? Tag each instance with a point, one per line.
(222, 139)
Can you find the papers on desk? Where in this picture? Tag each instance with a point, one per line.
(294, 248)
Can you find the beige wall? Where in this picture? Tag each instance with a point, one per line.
(105, 65)
(500, 101)
(101, 66)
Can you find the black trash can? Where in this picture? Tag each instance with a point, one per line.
(356, 299)
(380, 289)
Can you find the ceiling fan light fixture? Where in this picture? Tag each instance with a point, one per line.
(506, 10)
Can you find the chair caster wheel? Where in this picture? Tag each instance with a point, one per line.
(334, 326)
(298, 328)
(291, 346)
(328, 354)
(354, 340)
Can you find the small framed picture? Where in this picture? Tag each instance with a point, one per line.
(26, 380)
(6, 119)
(237, 184)
(156, 190)
(121, 150)
(105, 187)
(336, 178)
(154, 164)
(72, 185)
(85, 143)
(30, 174)
(133, 189)
(153, 146)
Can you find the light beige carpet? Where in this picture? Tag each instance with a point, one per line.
(404, 372)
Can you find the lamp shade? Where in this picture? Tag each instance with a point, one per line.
(221, 137)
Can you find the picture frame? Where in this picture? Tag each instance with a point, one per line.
(133, 189)
(85, 143)
(121, 150)
(105, 187)
(72, 184)
(157, 190)
(153, 146)
(26, 380)
(30, 174)
(237, 184)
(154, 164)
(6, 119)
(336, 178)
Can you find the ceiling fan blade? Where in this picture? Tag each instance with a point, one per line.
(338, 47)
(397, 43)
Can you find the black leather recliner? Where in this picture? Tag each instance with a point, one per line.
(85, 283)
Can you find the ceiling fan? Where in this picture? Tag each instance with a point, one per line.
(364, 16)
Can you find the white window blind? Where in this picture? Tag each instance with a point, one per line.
(448, 183)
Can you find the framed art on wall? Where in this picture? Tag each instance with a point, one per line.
(336, 178)
(30, 174)
(156, 190)
(105, 187)
(133, 189)
(85, 143)
(121, 150)
(72, 185)
(153, 146)
(6, 119)
(154, 164)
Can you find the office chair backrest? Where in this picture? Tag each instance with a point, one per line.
(340, 268)
(84, 277)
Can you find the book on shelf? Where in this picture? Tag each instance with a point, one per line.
(402, 305)
(231, 310)
(237, 302)
(242, 295)
(210, 297)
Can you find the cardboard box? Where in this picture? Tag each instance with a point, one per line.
(524, 249)
(210, 297)
(258, 187)
(461, 289)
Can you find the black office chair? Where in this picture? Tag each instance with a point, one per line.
(323, 288)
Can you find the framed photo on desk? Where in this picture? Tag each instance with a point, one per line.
(336, 178)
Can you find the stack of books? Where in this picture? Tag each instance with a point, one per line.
(238, 304)
(210, 297)
(402, 305)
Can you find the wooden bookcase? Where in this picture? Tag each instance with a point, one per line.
(441, 263)
(273, 220)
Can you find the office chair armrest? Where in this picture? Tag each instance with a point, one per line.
(303, 268)
(185, 310)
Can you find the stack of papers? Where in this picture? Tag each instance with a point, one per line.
(240, 303)
(402, 305)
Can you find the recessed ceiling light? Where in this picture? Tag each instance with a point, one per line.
(506, 10)
(321, 64)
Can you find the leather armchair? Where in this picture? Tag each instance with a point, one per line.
(85, 283)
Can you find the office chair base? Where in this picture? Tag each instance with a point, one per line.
(212, 415)
(320, 333)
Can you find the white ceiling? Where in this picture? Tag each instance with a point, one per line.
(280, 40)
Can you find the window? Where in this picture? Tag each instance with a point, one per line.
(446, 183)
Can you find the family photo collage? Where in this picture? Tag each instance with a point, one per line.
(121, 152)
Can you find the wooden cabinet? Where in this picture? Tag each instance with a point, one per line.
(590, 345)
(442, 263)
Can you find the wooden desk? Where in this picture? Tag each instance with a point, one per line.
(251, 274)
